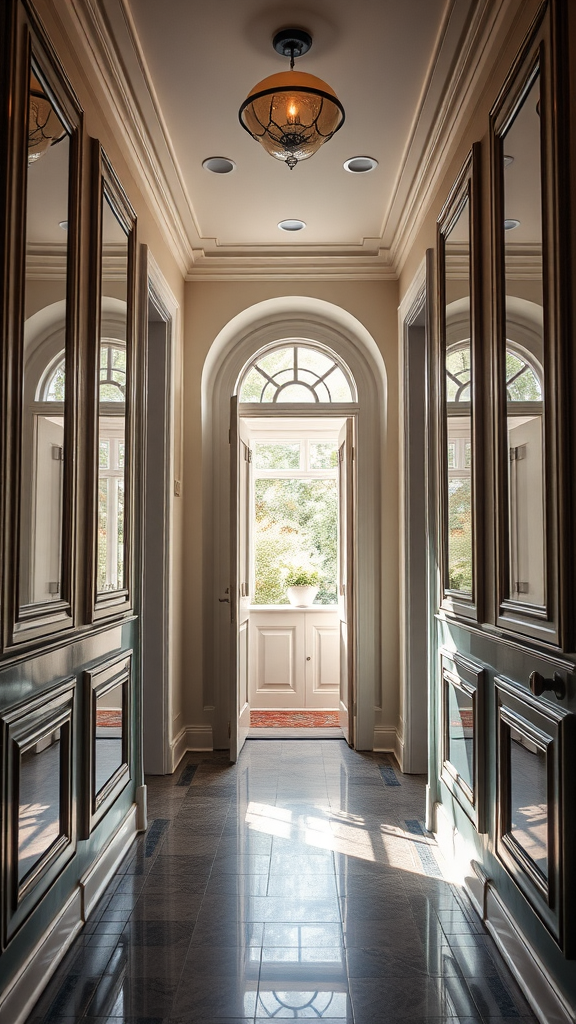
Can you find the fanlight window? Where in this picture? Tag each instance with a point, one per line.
(112, 377)
(523, 382)
(296, 373)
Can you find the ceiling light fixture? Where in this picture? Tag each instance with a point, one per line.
(510, 223)
(292, 114)
(291, 225)
(45, 128)
(360, 164)
(218, 164)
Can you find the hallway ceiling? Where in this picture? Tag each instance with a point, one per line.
(190, 64)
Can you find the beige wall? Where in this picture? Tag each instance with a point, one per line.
(209, 307)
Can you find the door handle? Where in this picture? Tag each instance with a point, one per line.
(225, 600)
(539, 685)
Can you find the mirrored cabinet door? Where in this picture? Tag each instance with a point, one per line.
(43, 365)
(457, 238)
(527, 337)
(111, 582)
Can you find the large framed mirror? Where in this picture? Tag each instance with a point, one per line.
(113, 380)
(528, 389)
(43, 363)
(458, 385)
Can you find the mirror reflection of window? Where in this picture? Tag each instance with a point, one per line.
(39, 823)
(111, 560)
(461, 733)
(458, 384)
(528, 799)
(45, 289)
(525, 423)
(109, 747)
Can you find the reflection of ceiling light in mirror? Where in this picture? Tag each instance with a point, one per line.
(218, 164)
(63, 224)
(510, 224)
(508, 160)
(291, 225)
(360, 164)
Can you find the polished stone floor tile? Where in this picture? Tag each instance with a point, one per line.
(293, 885)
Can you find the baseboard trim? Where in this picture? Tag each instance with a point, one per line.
(545, 999)
(93, 883)
(191, 737)
(385, 740)
(27, 986)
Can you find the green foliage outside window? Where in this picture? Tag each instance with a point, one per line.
(460, 535)
(296, 523)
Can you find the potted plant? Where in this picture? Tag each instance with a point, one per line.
(302, 586)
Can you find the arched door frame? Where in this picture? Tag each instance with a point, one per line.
(315, 321)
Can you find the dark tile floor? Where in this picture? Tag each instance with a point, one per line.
(298, 883)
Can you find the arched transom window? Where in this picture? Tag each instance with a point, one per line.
(296, 373)
(112, 376)
(523, 380)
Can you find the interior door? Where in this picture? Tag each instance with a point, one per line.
(347, 700)
(240, 489)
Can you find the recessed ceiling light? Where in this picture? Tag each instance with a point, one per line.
(360, 164)
(508, 160)
(510, 224)
(291, 225)
(218, 164)
(63, 224)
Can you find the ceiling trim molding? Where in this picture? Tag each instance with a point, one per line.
(486, 37)
(98, 49)
(296, 267)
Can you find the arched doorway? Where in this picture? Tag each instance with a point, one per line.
(322, 325)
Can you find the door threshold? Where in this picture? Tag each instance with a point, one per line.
(281, 733)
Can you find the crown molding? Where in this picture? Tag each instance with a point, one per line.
(470, 39)
(84, 24)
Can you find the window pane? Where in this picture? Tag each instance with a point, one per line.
(251, 390)
(461, 733)
(295, 393)
(460, 534)
(104, 454)
(108, 742)
(102, 533)
(277, 455)
(295, 525)
(39, 811)
(528, 799)
(323, 455)
(312, 359)
(338, 386)
(280, 359)
(57, 385)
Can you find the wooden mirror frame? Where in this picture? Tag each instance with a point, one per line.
(466, 188)
(550, 623)
(23, 625)
(107, 187)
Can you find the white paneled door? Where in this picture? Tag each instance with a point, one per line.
(346, 544)
(240, 467)
(294, 659)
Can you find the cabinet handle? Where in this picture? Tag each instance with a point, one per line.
(538, 685)
(308, 658)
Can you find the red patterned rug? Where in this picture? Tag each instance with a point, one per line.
(108, 718)
(294, 719)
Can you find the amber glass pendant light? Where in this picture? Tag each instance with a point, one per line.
(292, 114)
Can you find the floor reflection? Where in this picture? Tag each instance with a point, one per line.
(299, 884)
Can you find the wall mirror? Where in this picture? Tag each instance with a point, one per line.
(524, 360)
(463, 734)
(115, 318)
(108, 735)
(534, 837)
(37, 769)
(457, 238)
(46, 386)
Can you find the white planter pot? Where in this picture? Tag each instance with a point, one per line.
(302, 597)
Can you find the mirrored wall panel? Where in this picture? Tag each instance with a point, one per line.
(112, 404)
(457, 243)
(521, 155)
(529, 798)
(46, 344)
(463, 734)
(108, 745)
(39, 815)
